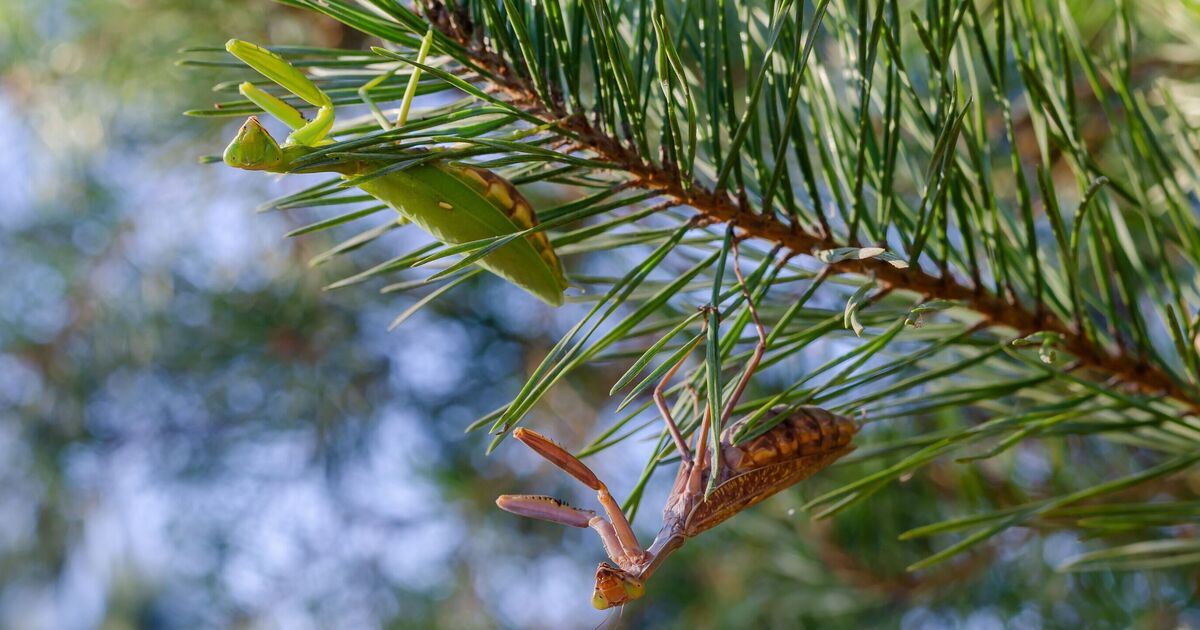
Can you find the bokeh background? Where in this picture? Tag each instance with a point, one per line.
(193, 433)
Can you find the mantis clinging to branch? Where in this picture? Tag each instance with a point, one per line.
(804, 442)
(459, 204)
(455, 203)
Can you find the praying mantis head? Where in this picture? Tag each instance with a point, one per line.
(254, 149)
(615, 587)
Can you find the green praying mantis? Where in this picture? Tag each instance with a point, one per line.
(454, 203)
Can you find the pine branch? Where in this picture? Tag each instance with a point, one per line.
(791, 159)
(712, 206)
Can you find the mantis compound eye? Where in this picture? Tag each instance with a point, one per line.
(615, 587)
(253, 148)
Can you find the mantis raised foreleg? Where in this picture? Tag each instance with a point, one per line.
(619, 540)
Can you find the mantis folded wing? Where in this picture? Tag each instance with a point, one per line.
(454, 203)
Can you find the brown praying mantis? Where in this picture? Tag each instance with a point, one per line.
(804, 442)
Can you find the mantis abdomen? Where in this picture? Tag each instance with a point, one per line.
(807, 441)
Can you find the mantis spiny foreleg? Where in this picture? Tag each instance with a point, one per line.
(619, 539)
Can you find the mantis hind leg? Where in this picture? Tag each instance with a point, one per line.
(760, 347)
(695, 476)
(660, 401)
